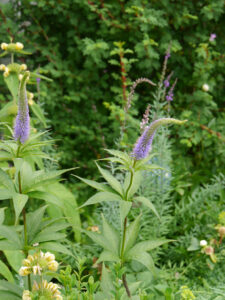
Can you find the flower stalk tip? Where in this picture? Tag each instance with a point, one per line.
(144, 143)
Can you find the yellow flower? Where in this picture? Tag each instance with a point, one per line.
(23, 67)
(19, 46)
(6, 73)
(53, 266)
(26, 295)
(2, 67)
(4, 46)
(49, 256)
(23, 271)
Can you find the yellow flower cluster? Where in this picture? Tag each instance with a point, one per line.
(38, 263)
(186, 293)
(49, 290)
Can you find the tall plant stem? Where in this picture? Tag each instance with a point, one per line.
(125, 230)
(24, 220)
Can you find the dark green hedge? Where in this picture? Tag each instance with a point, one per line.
(74, 41)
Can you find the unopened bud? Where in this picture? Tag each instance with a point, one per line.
(24, 271)
(2, 67)
(6, 73)
(4, 46)
(205, 87)
(19, 46)
(20, 77)
(203, 243)
(23, 67)
(53, 266)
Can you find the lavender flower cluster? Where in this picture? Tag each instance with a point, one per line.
(22, 123)
(144, 143)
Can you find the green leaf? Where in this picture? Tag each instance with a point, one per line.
(9, 245)
(69, 206)
(10, 234)
(132, 233)
(98, 239)
(4, 271)
(34, 222)
(2, 214)
(111, 235)
(96, 185)
(125, 207)
(107, 256)
(106, 283)
(143, 257)
(147, 203)
(112, 181)
(148, 245)
(46, 197)
(12, 82)
(36, 109)
(14, 258)
(6, 181)
(5, 194)
(19, 201)
(9, 296)
(51, 246)
(102, 197)
(12, 288)
(46, 236)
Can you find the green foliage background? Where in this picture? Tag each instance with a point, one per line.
(74, 42)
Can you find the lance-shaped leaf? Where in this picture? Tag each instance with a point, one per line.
(143, 257)
(132, 233)
(46, 197)
(147, 203)
(107, 256)
(102, 197)
(19, 201)
(125, 207)
(10, 234)
(113, 182)
(107, 283)
(4, 271)
(6, 181)
(5, 194)
(34, 222)
(11, 290)
(147, 245)
(96, 185)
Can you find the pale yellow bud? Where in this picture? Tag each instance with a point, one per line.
(2, 67)
(26, 295)
(26, 262)
(221, 230)
(23, 67)
(6, 73)
(20, 77)
(24, 271)
(205, 87)
(49, 256)
(30, 257)
(59, 297)
(4, 46)
(53, 287)
(30, 102)
(53, 266)
(19, 46)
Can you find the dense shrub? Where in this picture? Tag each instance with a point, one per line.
(75, 42)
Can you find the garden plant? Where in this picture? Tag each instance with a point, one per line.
(124, 98)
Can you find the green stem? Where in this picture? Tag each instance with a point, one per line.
(125, 230)
(24, 219)
(12, 58)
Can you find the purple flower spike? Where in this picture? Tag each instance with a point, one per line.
(38, 79)
(170, 95)
(144, 143)
(22, 123)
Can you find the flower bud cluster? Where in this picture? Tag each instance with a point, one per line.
(12, 47)
(186, 293)
(48, 290)
(38, 263)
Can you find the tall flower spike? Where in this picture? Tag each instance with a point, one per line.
(144, 143)
(22, 123)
